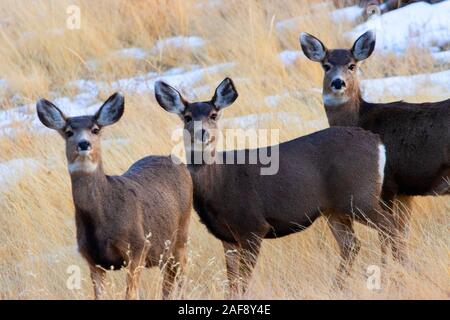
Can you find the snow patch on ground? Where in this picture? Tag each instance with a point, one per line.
(349, 13)
(178, 78)
(288, 57)
(419, 24)
(132, 53)
(178, 42)
(441, 57)
(12, 171)
(435, 83)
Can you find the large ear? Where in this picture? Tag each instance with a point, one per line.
(50, 115)
(169, 98)
(312, 47)
(111, 111)
(225, 94)
(364, 45)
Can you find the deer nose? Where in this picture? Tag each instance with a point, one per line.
(338, 84)
(84, 145)
(202, 135)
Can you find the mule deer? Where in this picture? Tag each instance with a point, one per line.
(139, 219)
(336, 172)
(417, 136)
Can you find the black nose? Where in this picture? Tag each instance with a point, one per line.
(84, 145)
(338, 84)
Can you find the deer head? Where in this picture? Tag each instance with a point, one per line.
(340, 82)
(201, 119)
(82, 134)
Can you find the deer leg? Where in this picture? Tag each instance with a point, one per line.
(98, 276)
(175, 265)
(248, 259)
(342, 228)
(135, 265)
(402, 224)
(232, 258)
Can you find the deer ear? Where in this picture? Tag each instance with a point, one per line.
(50, 115)
(111, 111)
(225, 94)
(169, 98)
(312, 47)
(363, 46)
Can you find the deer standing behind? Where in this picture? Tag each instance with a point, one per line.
(336, 172)
(139, 219)
(416, 136)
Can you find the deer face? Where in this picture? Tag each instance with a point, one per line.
(200, 119)
(340, 80)
(82, 134)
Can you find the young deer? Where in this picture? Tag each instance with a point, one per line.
(125, 220)
(417, 136)
(336, 173)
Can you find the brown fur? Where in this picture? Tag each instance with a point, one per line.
(139, 219)
(416, 136)
(333, 172)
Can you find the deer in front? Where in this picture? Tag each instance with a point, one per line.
(139, 219)
(336, 173)
(416, 136)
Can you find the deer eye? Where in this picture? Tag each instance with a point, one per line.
(95, 131)
(187, 119)
(214, 116)
(68, 133)
(352, 67)
(327, 67)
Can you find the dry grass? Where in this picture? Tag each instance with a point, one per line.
(39, 58)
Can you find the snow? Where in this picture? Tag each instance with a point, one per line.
(288, 57)
(419, 24)
(178, 42)
(441, 57)
(178, 78)
(349, 13)
(13, 170)
(435, 83)
(132, 53)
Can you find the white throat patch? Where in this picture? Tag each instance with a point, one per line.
(84, 166)
(332, 100)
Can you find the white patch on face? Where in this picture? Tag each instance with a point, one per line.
(83, 165)
(334, 100)
(381, 162)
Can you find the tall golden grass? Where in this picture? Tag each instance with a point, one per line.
(40, 56)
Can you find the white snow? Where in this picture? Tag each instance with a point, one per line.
(13, 170)
(418, 24)
(349, 13)
(132, 53)
(441, 57)
(434, 83)
(178, 42)
(178, 78)
(288, 57)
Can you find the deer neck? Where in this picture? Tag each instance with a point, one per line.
(203, 170)
(88, 190)
(343, 112)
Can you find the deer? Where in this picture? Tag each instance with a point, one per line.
(416, 135)
(136, 220)
(336, 173)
